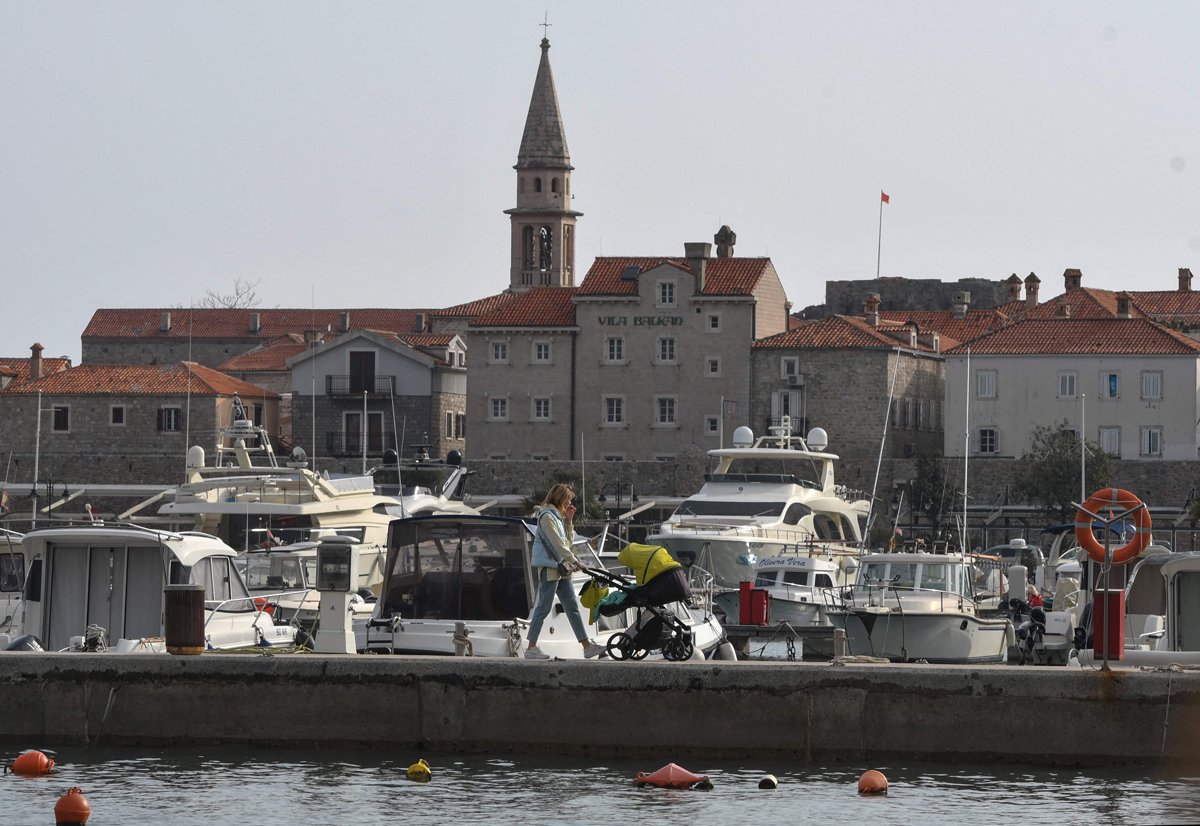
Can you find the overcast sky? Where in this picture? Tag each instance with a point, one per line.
(360, 154)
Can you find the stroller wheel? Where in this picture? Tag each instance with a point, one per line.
(678, 648)
(620, 646)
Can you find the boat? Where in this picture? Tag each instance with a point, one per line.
(801, 590)
(423, 484)
(100, 586)
(913, 606)
(285, 579)
(13, 567)
(772, 496)
(462, 584)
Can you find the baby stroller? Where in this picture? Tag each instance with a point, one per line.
(659, 580)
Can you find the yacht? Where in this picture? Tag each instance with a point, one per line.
(772, 496)
(918, 606)
(100, 587)
(13, 566)
(801, 590)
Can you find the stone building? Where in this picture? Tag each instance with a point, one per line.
(17, 370)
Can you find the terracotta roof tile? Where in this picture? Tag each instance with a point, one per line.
(539, 307)
(837, 332)
(427, 339)
(18, 368)
(952, 330)
(1085, 302)
(269, 358)
(1166, 305)
(1082, 336)
(722, 276)
(139, 380)
(475, 308)
(221, 323)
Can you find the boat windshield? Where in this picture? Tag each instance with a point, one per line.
(266, 572)
(222, 583)
(735, 508)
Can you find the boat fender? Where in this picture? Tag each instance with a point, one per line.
(419, 772)
(872, 782)
(768, 781)
(674, 776)
(72, 809)
(30, 763)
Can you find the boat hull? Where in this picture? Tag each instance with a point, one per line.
(934, 637)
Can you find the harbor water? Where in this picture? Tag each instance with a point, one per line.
(210, 785)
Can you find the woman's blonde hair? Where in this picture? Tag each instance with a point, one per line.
(559, 496)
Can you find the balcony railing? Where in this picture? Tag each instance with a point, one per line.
(357, 385)
(338, 443)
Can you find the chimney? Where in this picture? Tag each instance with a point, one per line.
(1123, 303)
(35, 362)
(419, 323)
(1185, 280)
(962, 300)
(871, 309)
(1031, 290)
(697, 254)
(1072, 279)
(345, 327)
(1012, 288)
(1064, 310)
(255, 322)
(725, 239)
(165, 324)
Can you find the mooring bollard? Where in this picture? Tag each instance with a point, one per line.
(840, 649)
(184, 619)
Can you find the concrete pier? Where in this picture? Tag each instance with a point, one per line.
(1049, 716)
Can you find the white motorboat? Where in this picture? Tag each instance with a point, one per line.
(919, 607)
(14, 563)
(97, 586)
(286, 581)
(801, 589)
(774, 496)
(462, 584)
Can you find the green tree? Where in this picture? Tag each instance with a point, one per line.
(1048, 473)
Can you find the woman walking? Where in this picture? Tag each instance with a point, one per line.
(554, 561)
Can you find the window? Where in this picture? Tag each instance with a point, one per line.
(352, 429)
(499, 410)
(170, 419)
(1110, 386)
(922, 417)
(1066, 386)
(1152, 384)
(933, 415)
(449, 431)
(1110, 440)
(789, 366)
(712, 424)
(499, 352)
(664, 411)
(666, 349)
(712, 323)
(1151, 441)
(666, 293)
(712, 366)
(614, 349)
(541, 410)
(910, 414)
(541, 352)
(362, 371)
(116, 415)
(462, 359)
(60, 418)
(988, 440)
(985, 384)
(460, 425)
(614, 410)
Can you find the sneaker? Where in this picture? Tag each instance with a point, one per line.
(535, 653)
(593, 650)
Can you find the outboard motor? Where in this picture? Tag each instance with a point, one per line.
(1030, 625)
(26, 642)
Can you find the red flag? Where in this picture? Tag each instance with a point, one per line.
(883, 196)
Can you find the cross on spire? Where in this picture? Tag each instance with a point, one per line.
(546, 24)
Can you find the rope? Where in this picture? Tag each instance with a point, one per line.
(1166, 715)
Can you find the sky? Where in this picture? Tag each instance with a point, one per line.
(359, 154)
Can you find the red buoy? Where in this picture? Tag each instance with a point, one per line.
(72, 809)
(672, 776)
(872, 782)
(31, 763)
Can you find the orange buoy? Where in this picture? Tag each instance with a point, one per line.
(72, 809)
(31, 763)
(872, 782)
(673, 776)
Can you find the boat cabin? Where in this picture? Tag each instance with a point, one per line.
(914, 572)
(13, 563)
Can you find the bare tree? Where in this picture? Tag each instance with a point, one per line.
(244, 295)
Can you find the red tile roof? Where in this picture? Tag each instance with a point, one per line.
(267, 358)
(952, 330)
(722, 276)
(425, 340)
(1082, 336)
(203, 323)
(18, 368)
(1164, 305)
(837, 332)
(475, 308)
(539, 307)
(1085, 302)
(139, 380)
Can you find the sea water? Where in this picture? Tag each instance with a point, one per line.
(224, 785)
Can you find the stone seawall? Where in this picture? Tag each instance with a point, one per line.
(677, 710)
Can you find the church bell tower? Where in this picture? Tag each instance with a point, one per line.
(543, 223)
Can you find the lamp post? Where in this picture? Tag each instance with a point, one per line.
(618, 488)
(33, 498)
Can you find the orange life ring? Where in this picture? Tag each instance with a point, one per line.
(1110, 498)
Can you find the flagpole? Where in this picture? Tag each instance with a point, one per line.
(879, 245)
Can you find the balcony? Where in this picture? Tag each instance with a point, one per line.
(357, 385)
(338, 443)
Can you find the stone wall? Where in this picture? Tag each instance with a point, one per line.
(846, 297)
(164, 350)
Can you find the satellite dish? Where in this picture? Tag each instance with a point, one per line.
(817, 439)
(743, 437)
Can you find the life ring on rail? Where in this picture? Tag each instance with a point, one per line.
(1113, 498)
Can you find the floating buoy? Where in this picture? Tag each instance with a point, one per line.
(72, 808)
(30, 763)
(769, 781)
(672, 776)
(872, 782)
(419, 772)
